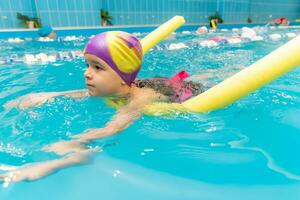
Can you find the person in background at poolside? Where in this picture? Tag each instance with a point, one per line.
(113, 61)
(283, 21)
(202, 30)
(47, 31)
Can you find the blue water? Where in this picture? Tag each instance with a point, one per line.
(248, 150)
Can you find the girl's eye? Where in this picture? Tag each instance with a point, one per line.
(98, 67)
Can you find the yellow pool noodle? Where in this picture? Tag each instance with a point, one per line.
(265, 70)
(161, 33)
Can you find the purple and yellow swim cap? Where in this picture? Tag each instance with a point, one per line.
(120, 50)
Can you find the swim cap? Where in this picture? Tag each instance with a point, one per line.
(45, 31)
(120, 50)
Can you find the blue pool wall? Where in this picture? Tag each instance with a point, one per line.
(83, 13)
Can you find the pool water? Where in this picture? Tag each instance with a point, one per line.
(248, 150)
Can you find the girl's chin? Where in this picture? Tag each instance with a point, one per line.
(93, 93)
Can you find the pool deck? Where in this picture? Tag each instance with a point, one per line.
(92, 30)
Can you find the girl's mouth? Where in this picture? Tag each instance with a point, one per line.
(89, 85)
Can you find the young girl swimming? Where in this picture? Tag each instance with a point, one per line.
(113, 60)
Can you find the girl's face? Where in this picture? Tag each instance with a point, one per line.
(100, 79)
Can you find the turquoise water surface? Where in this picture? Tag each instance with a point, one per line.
(248, 150)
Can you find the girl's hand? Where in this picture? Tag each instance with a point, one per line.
(30, 100)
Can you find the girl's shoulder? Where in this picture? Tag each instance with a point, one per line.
(146, 94)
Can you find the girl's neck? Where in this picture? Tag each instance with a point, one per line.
(126, 91)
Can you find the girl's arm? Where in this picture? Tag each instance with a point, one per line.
(36, 99)
(75, 150)
(124, 117)
(34, 171)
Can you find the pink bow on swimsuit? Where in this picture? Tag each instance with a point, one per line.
(176, 83)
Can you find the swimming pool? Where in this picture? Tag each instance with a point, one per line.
(246, 151)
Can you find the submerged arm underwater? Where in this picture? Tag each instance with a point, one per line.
(34, 171)
(75, 151)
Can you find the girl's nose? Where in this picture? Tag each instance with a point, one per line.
(87, 74)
